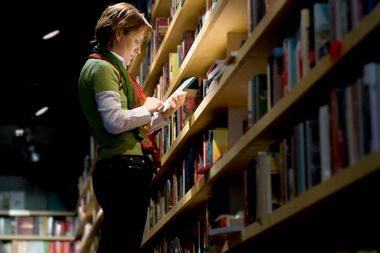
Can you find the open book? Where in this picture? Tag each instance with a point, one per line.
(185, 84)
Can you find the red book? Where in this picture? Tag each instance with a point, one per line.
(52, 246)
(338, 146)
(25, 225)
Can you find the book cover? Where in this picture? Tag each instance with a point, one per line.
(186, 43)
(352, 133)
(173, 65)
(312, 139)
(219, 143)
(162, 24)
(263, 185)
(250, 194)
(262, 94)
(36, 247)
(325, 143)
(305, 41)
(336, 160)
(25, 225)
(322, 37)
(301, 176)
(371, 79)
(364, 124)
(20, 246)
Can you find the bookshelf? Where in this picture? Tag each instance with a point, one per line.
(35, 230)
(88, 240)
(335, 204)
(89, 212)
(184, 19)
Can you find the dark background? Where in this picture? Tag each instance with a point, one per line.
(37, 73)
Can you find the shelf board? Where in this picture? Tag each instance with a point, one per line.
(35, 213)
(36, 238)
(342, 180)
(86, 243)
(85, 187)
(185, 18)
(81, 225)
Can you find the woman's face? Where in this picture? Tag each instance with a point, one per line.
(128, 45)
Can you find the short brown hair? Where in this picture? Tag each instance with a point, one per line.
(119, 17)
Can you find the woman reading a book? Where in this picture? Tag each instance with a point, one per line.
(122, 119)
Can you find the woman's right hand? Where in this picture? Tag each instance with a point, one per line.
(152, 104)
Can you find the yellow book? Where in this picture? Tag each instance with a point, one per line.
(219, 142)
(173, 65)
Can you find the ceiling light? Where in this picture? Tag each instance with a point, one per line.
(19, 132)
(50, 35)
(41, 111)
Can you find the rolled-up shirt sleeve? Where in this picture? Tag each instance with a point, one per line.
(158, 121)
(117, 120)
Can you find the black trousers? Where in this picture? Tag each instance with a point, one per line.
(122, 188)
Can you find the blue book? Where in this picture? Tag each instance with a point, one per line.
(322, 37)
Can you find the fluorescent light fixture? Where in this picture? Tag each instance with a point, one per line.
(50, 35)
(19, 132)
(41, 111)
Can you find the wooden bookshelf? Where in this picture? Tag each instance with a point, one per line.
(232, 88)
(13, 214)
(200, 53)
(354, 176)
(227, 16)
(185, 18)
(35, 238)
(89, 239)
(354, 182)
(87, 217)
(35, 213)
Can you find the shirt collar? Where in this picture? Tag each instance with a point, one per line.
(121, 59)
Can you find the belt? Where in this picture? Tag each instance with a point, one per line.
(136, 162)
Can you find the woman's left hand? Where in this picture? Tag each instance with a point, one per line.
(175, 101)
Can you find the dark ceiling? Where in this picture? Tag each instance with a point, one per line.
(37, 73)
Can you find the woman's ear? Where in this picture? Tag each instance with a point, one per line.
(118, 36)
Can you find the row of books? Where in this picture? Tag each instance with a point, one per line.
(222, 214)
(322, 25)
(175, 58)
(288, 63)
(38, 225)
(166, 137)
(171, 67)
(198, 160)
(342, 132)
(38, 247)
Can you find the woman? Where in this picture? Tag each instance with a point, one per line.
(121, 118)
